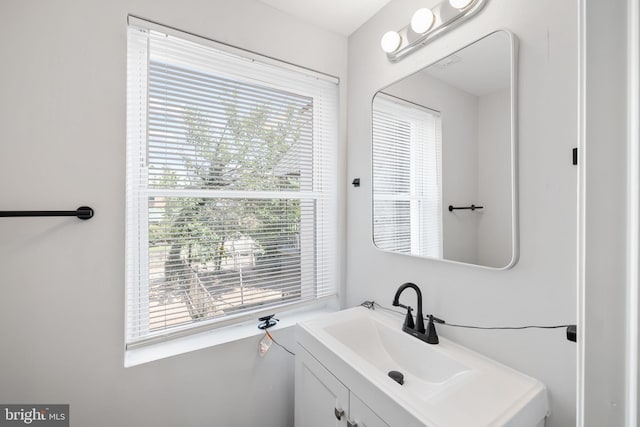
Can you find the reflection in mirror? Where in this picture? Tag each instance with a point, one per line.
(444, 142)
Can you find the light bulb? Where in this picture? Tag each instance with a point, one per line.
(422, 20)
(390, 41)
(460, 4)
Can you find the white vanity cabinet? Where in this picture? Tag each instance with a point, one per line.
(343, 361)
(362, 415)
(321, 400)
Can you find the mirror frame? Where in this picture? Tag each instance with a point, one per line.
(513, 103)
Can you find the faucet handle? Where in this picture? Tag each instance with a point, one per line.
(437, 320)
(408, 320)
(432, 335)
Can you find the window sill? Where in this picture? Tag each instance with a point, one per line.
(218, 336)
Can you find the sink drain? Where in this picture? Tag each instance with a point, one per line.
(396, 376)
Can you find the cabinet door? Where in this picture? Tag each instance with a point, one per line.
(361, 415)
(321, 400)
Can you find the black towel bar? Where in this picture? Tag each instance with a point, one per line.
(83, 212)
(472, 207)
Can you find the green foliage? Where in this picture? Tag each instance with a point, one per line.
(240, 152)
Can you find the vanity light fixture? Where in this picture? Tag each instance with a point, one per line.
(391, 41)
(422, 20)
(427, 24)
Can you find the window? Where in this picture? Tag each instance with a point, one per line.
(407, 178)
(231, 184)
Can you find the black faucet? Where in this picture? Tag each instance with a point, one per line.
(416, 329)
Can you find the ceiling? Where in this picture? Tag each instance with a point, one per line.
(340, 16)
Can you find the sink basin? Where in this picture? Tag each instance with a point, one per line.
(444, 384)
(386, 348)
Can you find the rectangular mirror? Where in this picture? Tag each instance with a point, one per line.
(444, 158)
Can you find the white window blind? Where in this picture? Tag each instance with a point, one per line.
(231, 185)
(407, 178)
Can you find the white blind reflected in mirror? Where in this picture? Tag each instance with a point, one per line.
(407, 177)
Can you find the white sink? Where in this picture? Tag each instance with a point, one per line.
(386, 348)
(445, 385)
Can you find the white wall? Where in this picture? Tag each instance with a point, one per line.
(62, 145)
(541, 288)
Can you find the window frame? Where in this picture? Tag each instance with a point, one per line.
(137, 255)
